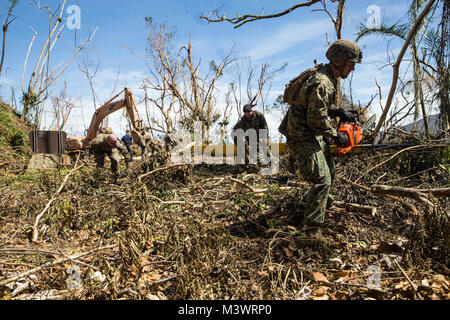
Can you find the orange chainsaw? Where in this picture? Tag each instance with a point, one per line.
(354, 132)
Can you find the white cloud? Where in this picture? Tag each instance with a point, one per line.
(289, 36)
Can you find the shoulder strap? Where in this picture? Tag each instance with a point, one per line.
(295, 84)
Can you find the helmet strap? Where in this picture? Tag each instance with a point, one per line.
(337, 70)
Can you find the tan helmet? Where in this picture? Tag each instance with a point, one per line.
(342, 51)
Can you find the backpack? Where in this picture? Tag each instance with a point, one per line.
(295, 84)
(291, 91)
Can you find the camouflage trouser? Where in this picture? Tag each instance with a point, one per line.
(130, 151)
(316, 165)
(154, 147)
(143, 146)
(114, 156)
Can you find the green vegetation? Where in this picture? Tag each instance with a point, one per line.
(13, 133)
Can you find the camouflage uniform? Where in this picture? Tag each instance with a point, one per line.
(100, 147)
(142, 142)
(106, 130)
(155, 146)
(169, 142)
(309, 129)
(257, 122)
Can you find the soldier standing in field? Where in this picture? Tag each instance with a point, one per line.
(108, 144)
(252, 119)
(308, 128)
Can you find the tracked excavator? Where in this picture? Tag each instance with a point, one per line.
(51, 148)
(80, 143)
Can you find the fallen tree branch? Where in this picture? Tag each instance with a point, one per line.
(156, 282)
(356, 207)
(160, 169)
(255, 191)
(405, 275)
(35, 234)
(57, 261)
(396, 154)
(411, 192)
(416, 194)
(410, 206)
(243, 184)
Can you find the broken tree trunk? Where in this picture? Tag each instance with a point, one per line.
(356, 207)
(417, 194)
(35, 231)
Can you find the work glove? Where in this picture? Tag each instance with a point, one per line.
(344, 115)
(341, 139)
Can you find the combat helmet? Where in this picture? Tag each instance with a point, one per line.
(342, 51)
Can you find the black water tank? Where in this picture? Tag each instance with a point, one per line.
(47, 141)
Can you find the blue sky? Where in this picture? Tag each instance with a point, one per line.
(295, 39)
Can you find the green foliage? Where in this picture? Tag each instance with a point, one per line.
(10, 7)
(18, 139)
(271, 196)
(10, 135)
(214, 67)
(432, 41)
(278, 105)
(444, 164)
(396, 29)
(29, 99)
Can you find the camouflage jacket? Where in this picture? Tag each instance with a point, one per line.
(99, 144)
(257, 121)
(168, 140)
(310, 117)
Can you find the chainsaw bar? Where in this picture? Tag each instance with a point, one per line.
(369, 122)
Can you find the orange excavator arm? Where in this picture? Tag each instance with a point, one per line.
(76, 143)
(110, 107)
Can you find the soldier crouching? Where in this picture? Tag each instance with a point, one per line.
(108, 144)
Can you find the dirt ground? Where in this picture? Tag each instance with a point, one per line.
(225, 232)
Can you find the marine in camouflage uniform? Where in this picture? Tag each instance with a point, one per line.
(106, 130)
(309, 129)
(169, 142)
(155, 146)
(140, 140)
(252, 119)
(103, 145)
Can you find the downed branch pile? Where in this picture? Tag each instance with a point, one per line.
(226, 232)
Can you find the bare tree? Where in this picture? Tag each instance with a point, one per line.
(262, 83)
(226, 115)
(401, 31)
(397, 63)
(62, 106)
(164, 67)
(238, 20)
(200, 105)
(42, 77)
(9, 18)
(83, 66)
(184, 79)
